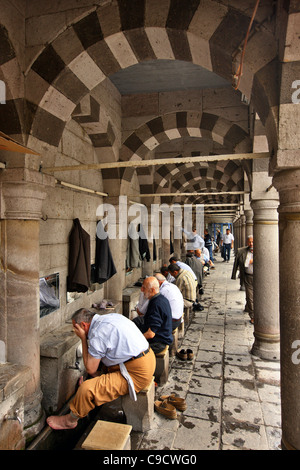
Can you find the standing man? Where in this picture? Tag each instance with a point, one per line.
(115, 341)
(156, 324)
(244, 262)
(227, 242)
(194, 240)
(208, 244)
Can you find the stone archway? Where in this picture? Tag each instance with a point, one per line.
(109, 39)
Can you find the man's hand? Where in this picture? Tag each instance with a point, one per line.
(149, 334)
(80, 332)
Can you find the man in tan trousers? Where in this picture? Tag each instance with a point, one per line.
(115, 341)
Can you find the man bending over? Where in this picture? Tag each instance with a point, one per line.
(122, 348)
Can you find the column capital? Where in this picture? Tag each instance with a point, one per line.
(287, 184)
(22, 192)
(265, 211)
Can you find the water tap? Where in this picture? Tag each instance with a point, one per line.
(16, 417)
(76, 366)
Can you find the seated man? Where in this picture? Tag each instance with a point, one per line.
(203, 257)
(176, 260)
(156, 324)
(119, 345)
(164, 271)
(185, 282)
(197, 267)
(174, 296)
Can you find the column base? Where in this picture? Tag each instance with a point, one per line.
(266, 346)
(34, 417)
(286, 445)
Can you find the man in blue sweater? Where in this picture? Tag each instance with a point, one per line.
(156, 324)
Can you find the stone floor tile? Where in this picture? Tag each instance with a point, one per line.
(237, 360)
(209, 356)
(209, 369)
(197, 434)
(211, 345)
(206, 386)
(274, 438)
(201, 406)
(271, 414)
(241, 388)
(268, 393)
(158, 439)
(244, 410)
(238, 372)
(245, 436)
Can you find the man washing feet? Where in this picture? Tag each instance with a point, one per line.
(115, 341)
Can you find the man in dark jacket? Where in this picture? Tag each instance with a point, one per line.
(244, 263)
(156, 324)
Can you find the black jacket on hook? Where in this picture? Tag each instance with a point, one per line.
(79, 268)
(104, 263)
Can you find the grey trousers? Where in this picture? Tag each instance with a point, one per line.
(249, 295)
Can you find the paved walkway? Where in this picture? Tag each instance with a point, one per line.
(233, 398)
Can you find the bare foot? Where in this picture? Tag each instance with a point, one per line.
(62, 422)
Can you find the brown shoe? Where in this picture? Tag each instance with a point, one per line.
(177, 402)
(182, 354)
(190, 354)
(165, 409)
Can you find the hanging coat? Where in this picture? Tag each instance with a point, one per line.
(143, 244)
(104, 263)
(79, 267)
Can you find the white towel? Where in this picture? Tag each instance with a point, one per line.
(126, 376)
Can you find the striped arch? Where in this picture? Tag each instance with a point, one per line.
(185, 124)
(123, 33)
(206, 177)
(227, 136)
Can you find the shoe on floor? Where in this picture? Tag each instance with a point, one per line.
(165, 409)
(182, 354)
(177, 402)
(190, 354)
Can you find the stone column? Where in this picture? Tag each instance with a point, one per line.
(249, 222)
(243, 230)
(266, 279)
(287, 184)
(22, 194)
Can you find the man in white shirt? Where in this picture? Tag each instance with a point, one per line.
(194, 240)
(227, 242)
(117, 342)
(174, 296)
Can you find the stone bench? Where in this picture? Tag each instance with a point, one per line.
(181, 330)
(106, 435)
(162, 366)
(139, 414)
(130, 298)
(187, 315)
(174, 345)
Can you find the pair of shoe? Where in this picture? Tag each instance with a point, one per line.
(198, 306)
(167, 405)
(185, 354)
